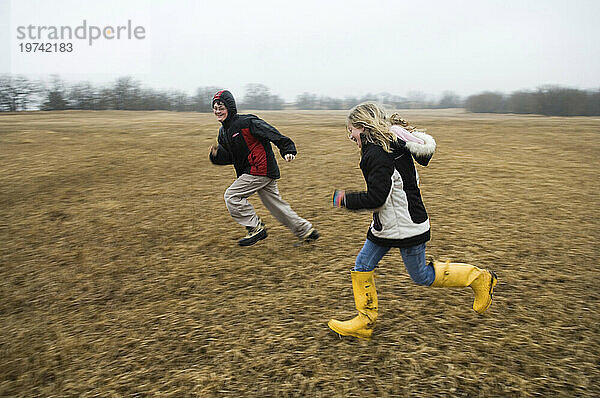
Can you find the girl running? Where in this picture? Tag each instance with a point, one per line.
(388, 147)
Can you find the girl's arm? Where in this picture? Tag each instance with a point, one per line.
(378, 170)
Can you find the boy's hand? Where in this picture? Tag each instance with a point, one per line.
(339, 198)
(213, 150)
(289, 157)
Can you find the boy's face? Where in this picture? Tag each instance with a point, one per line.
(220, 111)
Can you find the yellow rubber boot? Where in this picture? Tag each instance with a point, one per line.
(365, 299)
(482, 281)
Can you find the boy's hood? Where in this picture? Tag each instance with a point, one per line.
(227, 98)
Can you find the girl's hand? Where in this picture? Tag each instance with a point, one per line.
(213, 150)
(289, 157)
(339, 198)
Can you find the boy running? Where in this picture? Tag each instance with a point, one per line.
(245, 141)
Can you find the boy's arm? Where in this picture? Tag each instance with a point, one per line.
(260, 128)
(219, 154)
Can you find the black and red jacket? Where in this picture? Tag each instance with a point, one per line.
(245, 142)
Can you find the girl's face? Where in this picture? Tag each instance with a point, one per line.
(354, 134)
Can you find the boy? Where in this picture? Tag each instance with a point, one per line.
(245, 141)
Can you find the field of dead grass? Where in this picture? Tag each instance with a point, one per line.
(120, 274)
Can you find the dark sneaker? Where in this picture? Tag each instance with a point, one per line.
(254, 235)
(311, 236)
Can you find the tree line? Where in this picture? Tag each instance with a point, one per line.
(548, 100)
(18, 93)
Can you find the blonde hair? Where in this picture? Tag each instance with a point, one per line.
(372, 118)
(376, 124)
(397, 120)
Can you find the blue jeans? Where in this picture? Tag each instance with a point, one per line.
(414, 261)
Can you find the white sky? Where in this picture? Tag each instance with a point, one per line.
(334, 48)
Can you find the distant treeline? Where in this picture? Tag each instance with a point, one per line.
(549, 101)
(18, 93)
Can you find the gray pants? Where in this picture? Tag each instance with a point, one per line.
(236, 199)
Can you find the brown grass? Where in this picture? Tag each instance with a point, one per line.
(120, 274)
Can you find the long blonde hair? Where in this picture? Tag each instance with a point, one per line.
(397, 120)
(376, 124)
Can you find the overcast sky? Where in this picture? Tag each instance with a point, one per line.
(334, 48)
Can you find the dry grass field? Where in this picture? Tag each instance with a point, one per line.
(120, 274)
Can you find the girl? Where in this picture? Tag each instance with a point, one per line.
(388, 147)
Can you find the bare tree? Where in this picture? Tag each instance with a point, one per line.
(202, 101)
(258, 96)
(56, 96)
(16, 93)
(449, 100)
(593, 107)
(83, 96)
(307, 101)
(126, 94)
(331, 103)
(522, 102)
(180, 101)
(489, 102)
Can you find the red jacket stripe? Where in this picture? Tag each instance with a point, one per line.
(257, 156)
